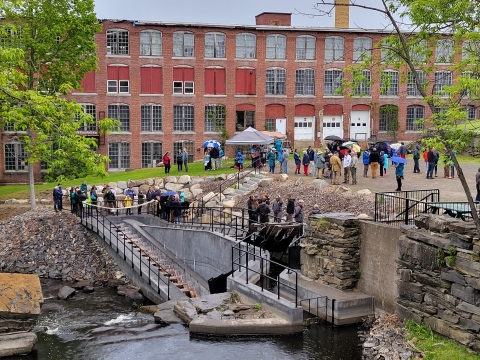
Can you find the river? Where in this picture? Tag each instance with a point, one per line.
(104, 325)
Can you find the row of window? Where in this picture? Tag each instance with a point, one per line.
(276, 46)
(151, 79)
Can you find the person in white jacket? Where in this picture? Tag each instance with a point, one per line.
(347, 160)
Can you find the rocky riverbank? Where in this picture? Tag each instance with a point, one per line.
(54, 245)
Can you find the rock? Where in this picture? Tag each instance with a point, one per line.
(119, 191)
(149, 182)
(65, 292)
(79, 285)
(194, 186)
(122, 184)
(88, 289)
(221, 177)
(187, 193)
(299, 182)
(112, 185)
(208, 303)
(364, 192)
(170, 179)
(45, 201)
(209, 179)
(53, 274)
(265, 182)
(228, 191)
(130, 292)
(17, 344)
(208, 197)
(229, 204)
(196, 192)
(173, 186)
(363, 216)
(342, 189)
(185, 311)
(319, 184)
(159, 182)
(283, 178)
(144, 188)
(196, 181)
(149, 309)
(184, 179)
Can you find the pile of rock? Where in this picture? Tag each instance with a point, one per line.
(331, 250)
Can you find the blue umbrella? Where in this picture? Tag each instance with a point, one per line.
(169, 193)
(398, 160)
(211, 143)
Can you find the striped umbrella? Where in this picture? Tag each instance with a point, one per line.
(211, 144)
(352, 146)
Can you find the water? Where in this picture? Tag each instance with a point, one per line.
(103, 325)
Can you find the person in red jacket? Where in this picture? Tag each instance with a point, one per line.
(425, 158)
(166, 162)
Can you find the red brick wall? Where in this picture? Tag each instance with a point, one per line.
(275, 19)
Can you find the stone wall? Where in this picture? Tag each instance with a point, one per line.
(439, 277)
(331, 250)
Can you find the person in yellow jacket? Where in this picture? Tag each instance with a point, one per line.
(336, 165)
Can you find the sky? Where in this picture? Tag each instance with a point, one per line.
(232, 12)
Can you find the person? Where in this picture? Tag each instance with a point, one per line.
(399, 175)
(179, 159)
(81, 197)
(425, 158)
(93, 198)
(299, 212)
(129, 198)
(263, 211)
(305, 162)
(385, 163)
(141, 200)
(402, 150)
(296, 158)
(109, 199)
(277, 209)
(254, 153)
(431, 163)
(311, 156)
(380, 162)
(347, 160)
(280, 159)
(185, 209)
(176, 208)
(57, 198)
(374, 160)
(416, 157)
(206, 161)
(366, 162)
(185, 159)
(253, 212)
(290, 208)
(271, 160)
(437, 158)
(477, 181)
(264, 199)
(239, 161)
(285, 160)
(166, 162)
(84, 187)
(336, 165)
(319, 164)
(150, 196)
(73, 204)
(353, 168)
(214, 154)
(315, 211)
(221, 153)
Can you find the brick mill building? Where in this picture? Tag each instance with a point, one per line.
(176, 85)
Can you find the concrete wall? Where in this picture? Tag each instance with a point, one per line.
(377, 263)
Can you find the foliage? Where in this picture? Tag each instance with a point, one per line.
(435, 346)
(449, 259)
(358, 273)
(440, 257)
(258, 306)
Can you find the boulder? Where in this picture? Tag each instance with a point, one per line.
(211, 204)
(283, 178)
(65, 292)
(173, 186)
(79, 285)
(196, 181)
(195, 186)
(122, 184)
(138, 183)
(208, 196)
(119, 191)
(88, 289)
(159, 182)
(265, 182)
(45, 201)
(17, 344)
(144, 188)
(228, 191)
(185, 311)
(209, 179)
(228, 204)
(149, 181)
(221, 177)
(196, 192)
(112, 185)
(253, 187)
(130, 292)
(364, 192)
(170, 179)
(188, 194)
(319, 184)
(160, 164)
(184, 179)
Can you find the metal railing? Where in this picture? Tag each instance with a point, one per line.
(245, 253)
(325, 298)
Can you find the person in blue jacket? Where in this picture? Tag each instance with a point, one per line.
(239, 160)
(298, 161)
(366, 161)
(271, 160)
(399, 176)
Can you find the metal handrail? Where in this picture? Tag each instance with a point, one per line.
(316, 299)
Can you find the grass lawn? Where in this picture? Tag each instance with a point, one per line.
(470, 125)
(194, 169)
(436, 347)
(462, 159)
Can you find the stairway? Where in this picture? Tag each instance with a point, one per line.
(250, 184)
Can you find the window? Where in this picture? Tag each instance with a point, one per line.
(215, 81)
(150, 43)
(362, 48)
(412, 88)
(122, 113)
(333, 82)
(334, 48)
(180, 145)
(183, 44)
(470, 50)
(183, 118)
(11, 36)
(444, 51)
(387, 55)
(245, 81)
(418, 52)
(214, 117)
(89, 109)
(389, 83)
(471, 112)
(119, 154)
(442, 79)
(388, 118)
(118, 79)
(117, 42)
(276, 47)
(152, 153)
(183, 80)
(88, 82)
(275, 81)
(269, 124)
(306, 47)
(151, 80)
(362, 85)
(15, 156)
(215, 45)
(414, 113)
(469, 84)
(305, 82)
(151, 117)
(244, 119)
(246, 46)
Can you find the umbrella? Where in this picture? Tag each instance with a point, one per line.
(211, 143)
(395, 146)
(333, 137)
(169, 193)
(398, 160)
(351, 145)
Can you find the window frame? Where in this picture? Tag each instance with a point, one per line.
(364, 84)
(120, 109)
(150, 44)
(222, 51)
(274, 87)
(471, 109)
(440, 51)
(148, 153)
(410, 122)
(151, 124)
(121, 158)
(187, 124)
(384, 117)
(212, 124)
(92, 111)
(114, 42)
(246, 53)
(335, 47)
(184, 144)
(270, 124)
(412, 89)
(334, 83)
(361, 49)
(302, 85)
(441, 80)
(18, 157)
(389, 89)
(279, 53)
(186, 48)
(305, 48)
(248, 119)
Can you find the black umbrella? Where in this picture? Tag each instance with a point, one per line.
(333, 137)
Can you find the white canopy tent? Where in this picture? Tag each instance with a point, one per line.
(250, 136)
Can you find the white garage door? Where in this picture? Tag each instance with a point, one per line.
(332, 125)
(304, 128)
(281, 126)
(360, 125)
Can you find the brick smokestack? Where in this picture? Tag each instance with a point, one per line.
(342, 14)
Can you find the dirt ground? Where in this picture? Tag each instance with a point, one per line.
(9, 210)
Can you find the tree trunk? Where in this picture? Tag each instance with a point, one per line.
(31, 182)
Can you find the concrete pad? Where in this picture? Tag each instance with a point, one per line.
(274, 326)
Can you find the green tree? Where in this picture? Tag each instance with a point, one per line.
(417, 26)
(46, 48)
